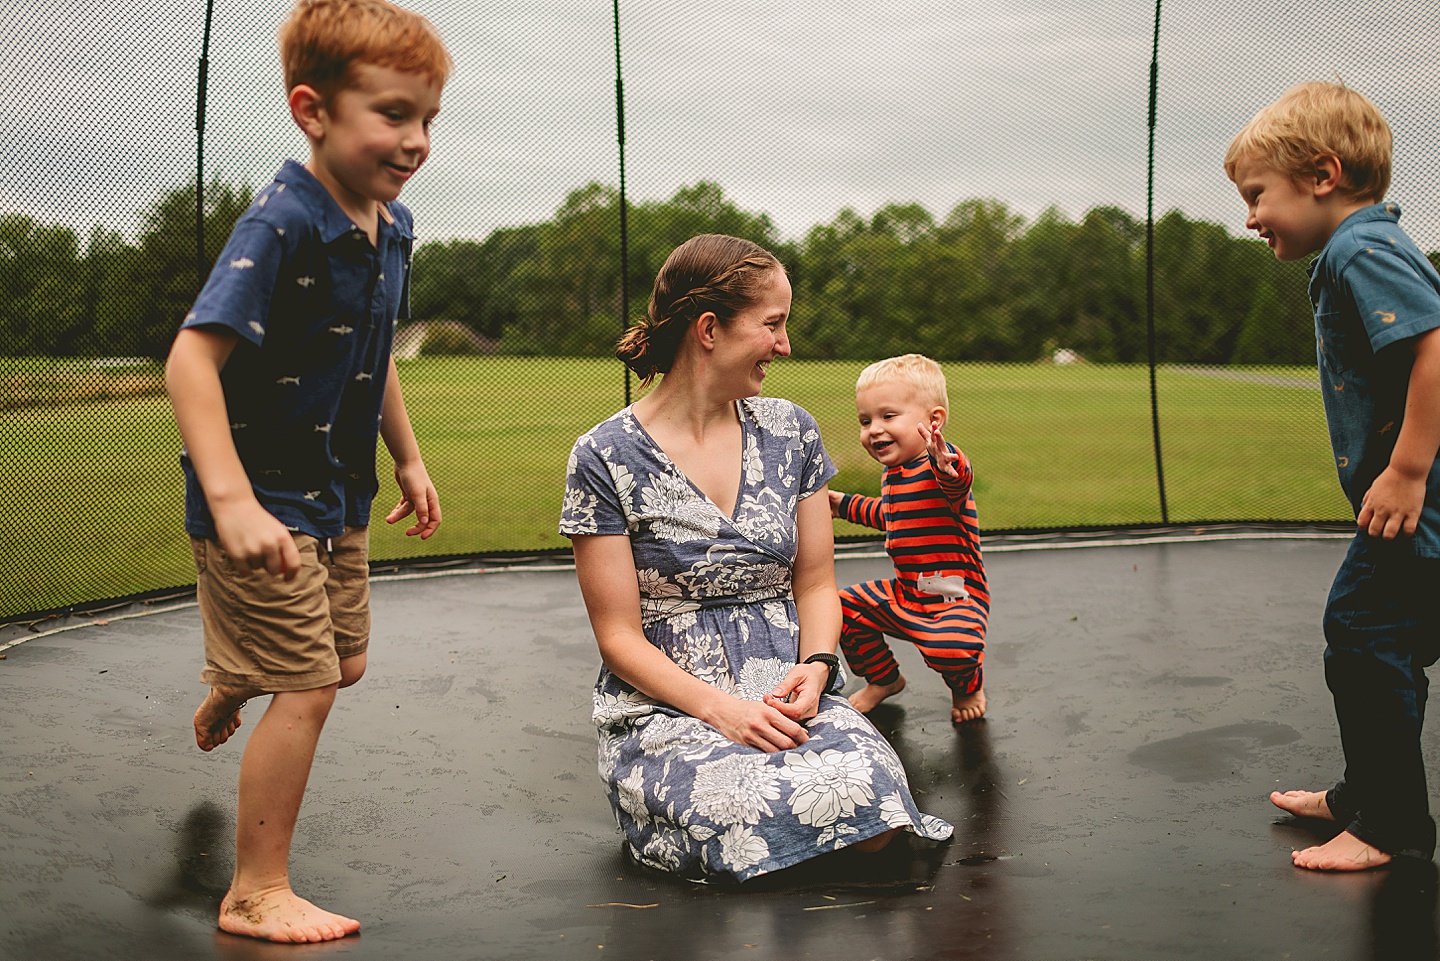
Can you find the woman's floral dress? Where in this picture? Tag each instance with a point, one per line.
(715, 596)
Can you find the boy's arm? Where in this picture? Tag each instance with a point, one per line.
(417, 493)
(1393, 503)
(250, 534)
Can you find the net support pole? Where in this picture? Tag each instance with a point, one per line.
(201, 86)
(624, 204)
(1150, 272)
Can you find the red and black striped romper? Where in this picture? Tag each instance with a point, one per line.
(931, 529)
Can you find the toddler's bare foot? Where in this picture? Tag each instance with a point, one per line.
(219, 716)
(967, 707)
(282, 916)
(1344, 852)
(1303, 804)
(865, 699)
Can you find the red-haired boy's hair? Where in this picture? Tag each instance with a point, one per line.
(322, 40)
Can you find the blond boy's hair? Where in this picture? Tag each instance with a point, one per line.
(1320, 118)
(917, 370)
(322, 41)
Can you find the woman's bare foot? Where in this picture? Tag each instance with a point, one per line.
(967, 707)
(1303, 804)
(1344, 852)
(876, 844)
(282, 916)
(865, 699)
(219, 716)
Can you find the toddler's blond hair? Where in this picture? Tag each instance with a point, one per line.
(917, 370)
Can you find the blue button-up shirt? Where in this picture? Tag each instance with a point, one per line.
(1373, 291)
(314, 305)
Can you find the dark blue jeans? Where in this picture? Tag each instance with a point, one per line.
(1382, 629)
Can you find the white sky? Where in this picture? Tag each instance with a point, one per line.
(797, 109)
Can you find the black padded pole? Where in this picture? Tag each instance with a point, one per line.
(624, 219)
(201, 86)
(1150, 273)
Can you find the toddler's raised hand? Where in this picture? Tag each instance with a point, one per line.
(835, 497)
(941, 455)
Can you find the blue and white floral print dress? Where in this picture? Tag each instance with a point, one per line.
(715, 596)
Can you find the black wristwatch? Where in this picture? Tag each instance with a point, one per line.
(830, 661)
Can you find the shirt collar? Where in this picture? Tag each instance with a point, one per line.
(1386, 211)
(332, 221)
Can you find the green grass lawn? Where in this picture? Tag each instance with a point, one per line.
(96, 500)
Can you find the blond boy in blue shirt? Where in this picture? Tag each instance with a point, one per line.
(281, 377)
(1313, 168)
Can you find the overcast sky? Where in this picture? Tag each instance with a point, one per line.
(798, 108)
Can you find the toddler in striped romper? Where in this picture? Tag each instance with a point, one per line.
(938, 599)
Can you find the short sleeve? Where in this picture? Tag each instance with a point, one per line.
(238, 293)
(405, 225)
(1396, 300)
(404, 311)
(591, 505)
(818, 468)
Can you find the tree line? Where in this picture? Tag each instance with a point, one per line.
(980, 283)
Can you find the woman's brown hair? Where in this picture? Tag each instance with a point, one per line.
(711, 272)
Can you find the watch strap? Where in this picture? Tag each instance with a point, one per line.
(830, 661)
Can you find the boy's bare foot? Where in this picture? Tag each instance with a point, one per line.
(1344, 852)
(219, 716)
(1303, 804)
(865, 699)
(282, 916)
(967, 707)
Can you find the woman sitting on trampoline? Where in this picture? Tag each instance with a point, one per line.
(706, 561)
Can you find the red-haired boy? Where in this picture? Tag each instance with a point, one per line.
(280, 378)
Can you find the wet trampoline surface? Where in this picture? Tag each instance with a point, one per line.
(1143, 701)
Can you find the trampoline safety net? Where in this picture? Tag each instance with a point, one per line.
(978, 182)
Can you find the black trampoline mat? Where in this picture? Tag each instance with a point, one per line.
(1143, 702)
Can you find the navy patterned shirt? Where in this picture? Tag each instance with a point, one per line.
(1373, 292)
(314, 305)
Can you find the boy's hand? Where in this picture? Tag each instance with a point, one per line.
(835, 497)
(256, 540)
(941, 455)
(417, 495)
(1392, 505)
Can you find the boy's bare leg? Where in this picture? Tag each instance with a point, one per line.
(865, 699)
(1303, 804)
(967, 707)
(219, 716)
(1344, 852)
(273, 775)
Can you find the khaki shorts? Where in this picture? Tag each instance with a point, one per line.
(264, 633)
